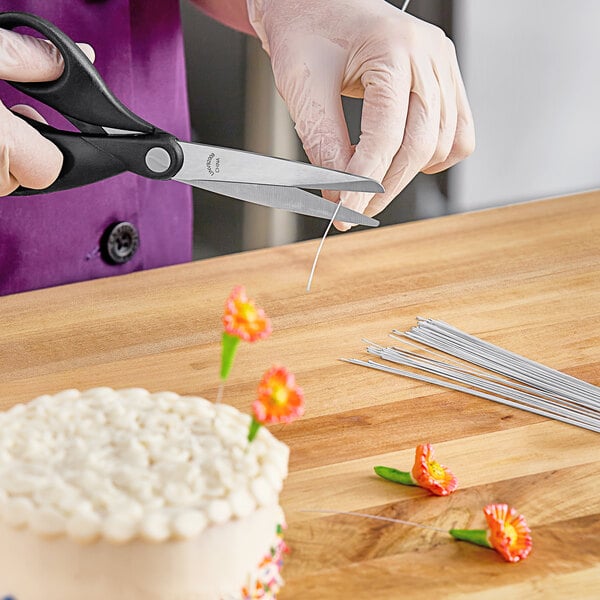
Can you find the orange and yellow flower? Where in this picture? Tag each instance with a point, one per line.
(429, 474)
(509, 533)
(426, 473)
(279, 400)
(243, 319)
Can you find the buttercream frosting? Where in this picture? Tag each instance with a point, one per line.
(164, 491)
(124, 464)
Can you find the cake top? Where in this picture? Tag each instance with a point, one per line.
(129, 464)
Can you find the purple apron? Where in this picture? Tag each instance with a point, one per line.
(58, 238)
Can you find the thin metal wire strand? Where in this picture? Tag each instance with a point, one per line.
(314, 265)
(377, 517)
(414, 360)
(452, 334)
(526, 395)
(490, 372)
(522, 370)
(523, 373)
(480, 394)
(541, 410)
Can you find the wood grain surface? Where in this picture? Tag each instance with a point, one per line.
(525, 277)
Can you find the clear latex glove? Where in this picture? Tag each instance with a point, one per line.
(26, 157)
(416, 115)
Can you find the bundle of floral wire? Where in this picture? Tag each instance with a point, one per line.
(443, 355)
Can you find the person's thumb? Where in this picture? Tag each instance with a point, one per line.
(24, 58)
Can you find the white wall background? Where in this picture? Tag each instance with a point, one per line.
(532, 72)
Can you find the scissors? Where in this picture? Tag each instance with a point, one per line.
(113, 140)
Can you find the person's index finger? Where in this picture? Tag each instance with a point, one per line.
(24, 58)
(384, 113)
(34, 161)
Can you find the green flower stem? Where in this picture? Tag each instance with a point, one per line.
(229, 346)
(475, 536)
(254, 427)
(395, 475)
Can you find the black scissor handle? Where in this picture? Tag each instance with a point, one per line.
(80, 94)
(90, 157)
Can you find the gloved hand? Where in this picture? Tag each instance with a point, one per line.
(416, 115)
(26, 157)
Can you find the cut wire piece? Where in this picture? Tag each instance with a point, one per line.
(465, 363)
(376, 517)
(314, 265)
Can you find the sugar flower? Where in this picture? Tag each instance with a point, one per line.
(508, 533)
(429, 474)
(279, 400)
(242, 320)
(426, 473)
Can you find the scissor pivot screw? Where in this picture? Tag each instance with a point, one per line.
(158, 160)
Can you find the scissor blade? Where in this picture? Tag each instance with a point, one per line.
(285, 198)
(213, 163)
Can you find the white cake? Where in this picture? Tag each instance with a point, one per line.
(127, 495)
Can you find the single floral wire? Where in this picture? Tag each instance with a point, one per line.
(314, 265)
(376, 517)
(220, 393)
(508, 532)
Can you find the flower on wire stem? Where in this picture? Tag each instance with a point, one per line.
(508, 533)
(279, 400)
(426, 473)
(242, 320)
(430, 474)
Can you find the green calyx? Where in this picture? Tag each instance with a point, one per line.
(229, 346)
(475, 536)
(395, 475)
(254, 427)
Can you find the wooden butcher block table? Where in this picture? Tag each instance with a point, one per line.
(525, 277)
